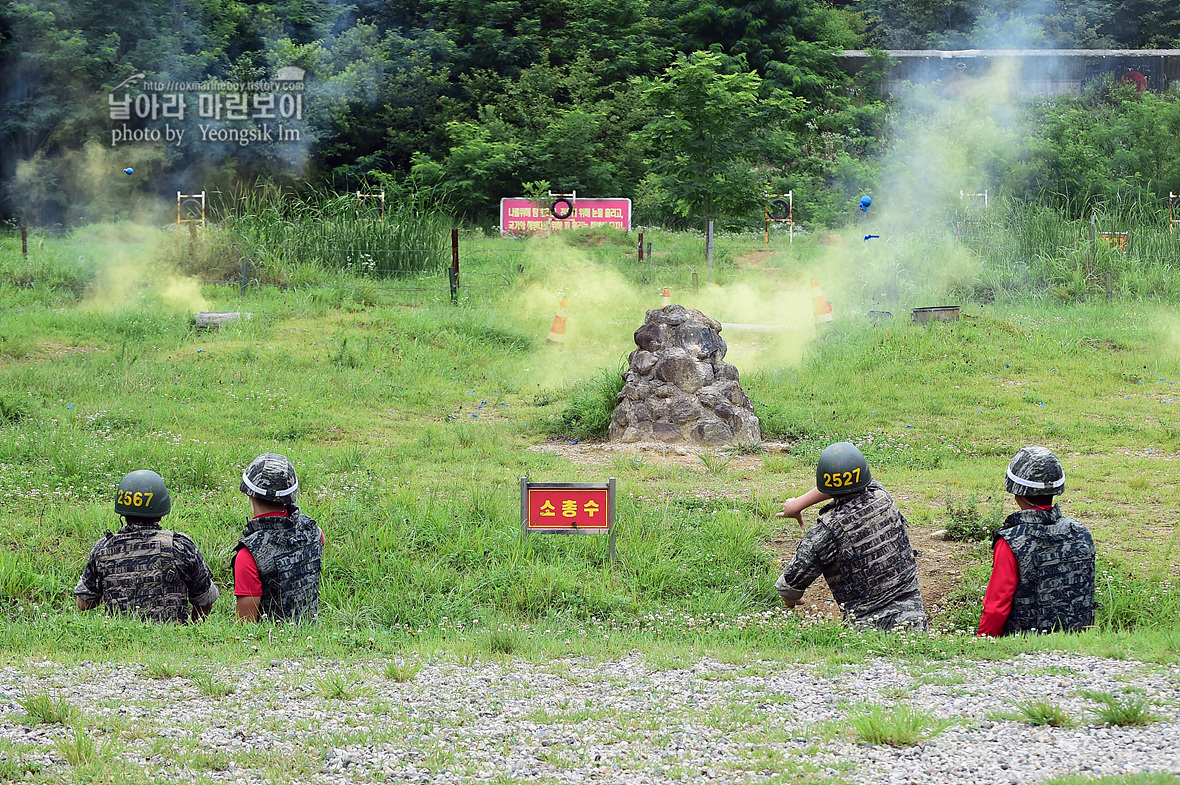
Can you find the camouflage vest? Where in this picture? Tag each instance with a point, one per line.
(875, 564)
(139, 574)
(1055, 559)
(288, 552)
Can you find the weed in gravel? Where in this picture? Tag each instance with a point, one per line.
(44, 708)
(402, 672)
(1129, 710)
(162, 668)
(1042, 712)
(337, 686)
(900, 726)
(80, 748)
(13, 767)
(209, 686)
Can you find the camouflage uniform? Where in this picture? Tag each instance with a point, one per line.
(1055, 568)
(289, 552)
(148, 572)
(861, 548)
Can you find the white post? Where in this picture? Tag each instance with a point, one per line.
(709, 246)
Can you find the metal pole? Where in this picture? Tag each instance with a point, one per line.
(24, 241)
(695, 285)
(611, 520)
(453, 270)
(791, 215)
(245, 276)
(524, 508)
(709, 246)
(641, 246)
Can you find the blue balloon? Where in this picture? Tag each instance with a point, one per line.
(128, 170)
(865, 201)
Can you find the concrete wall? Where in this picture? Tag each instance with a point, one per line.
(1029, 72)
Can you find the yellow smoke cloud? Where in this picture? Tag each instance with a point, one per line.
(604, 310)
(131, 267)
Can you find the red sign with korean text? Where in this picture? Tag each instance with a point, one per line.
(568, 508)
(523, 216)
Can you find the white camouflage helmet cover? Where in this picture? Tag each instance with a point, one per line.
(1034, 471)
(270, 476)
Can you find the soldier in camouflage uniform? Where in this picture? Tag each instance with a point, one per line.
(277, 562)
(859, 544)
(1043, 562)
(143, 570)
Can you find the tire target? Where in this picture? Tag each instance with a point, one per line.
(192, 209)
(779, 209)
(556, 210)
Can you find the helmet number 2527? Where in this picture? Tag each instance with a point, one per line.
(839, 480)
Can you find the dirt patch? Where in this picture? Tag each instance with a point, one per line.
(597, 454)
(940, 568)
(752, 260)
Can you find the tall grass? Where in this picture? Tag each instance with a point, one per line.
(1034, 250)
(278, 229)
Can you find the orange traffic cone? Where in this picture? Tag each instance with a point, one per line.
(821, 307)
(557, 330)
(666, 299)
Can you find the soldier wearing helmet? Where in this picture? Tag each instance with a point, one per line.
(276, 564)
(1043, 562)
(859, 544)
(144, 570)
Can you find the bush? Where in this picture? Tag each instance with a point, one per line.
(591, 404)
(967, 524)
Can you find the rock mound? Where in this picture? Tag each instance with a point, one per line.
(679, 389)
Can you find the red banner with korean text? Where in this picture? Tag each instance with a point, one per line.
(520, 216)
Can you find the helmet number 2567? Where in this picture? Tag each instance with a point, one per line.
(137, 499)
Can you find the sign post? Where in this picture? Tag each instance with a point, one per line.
(568, 508)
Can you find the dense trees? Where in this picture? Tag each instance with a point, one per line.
(690, 108)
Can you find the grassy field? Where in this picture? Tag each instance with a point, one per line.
(411, 420)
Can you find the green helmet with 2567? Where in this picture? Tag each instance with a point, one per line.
(143, 494)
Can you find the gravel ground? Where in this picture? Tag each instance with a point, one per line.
(574, 720)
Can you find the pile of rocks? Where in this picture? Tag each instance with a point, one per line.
(679, 389)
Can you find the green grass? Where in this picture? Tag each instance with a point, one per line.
(402, 672)
(1043, 712)
(1133, 710)
(79, 748)
(210, 686)
(338, 686)
(1158, 778)
(899, 726)
(374, 401)
(48, 709)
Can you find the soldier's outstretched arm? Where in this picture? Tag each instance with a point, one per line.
(793, 508)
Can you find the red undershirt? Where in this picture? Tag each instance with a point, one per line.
(247, 581)
(997, 602)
